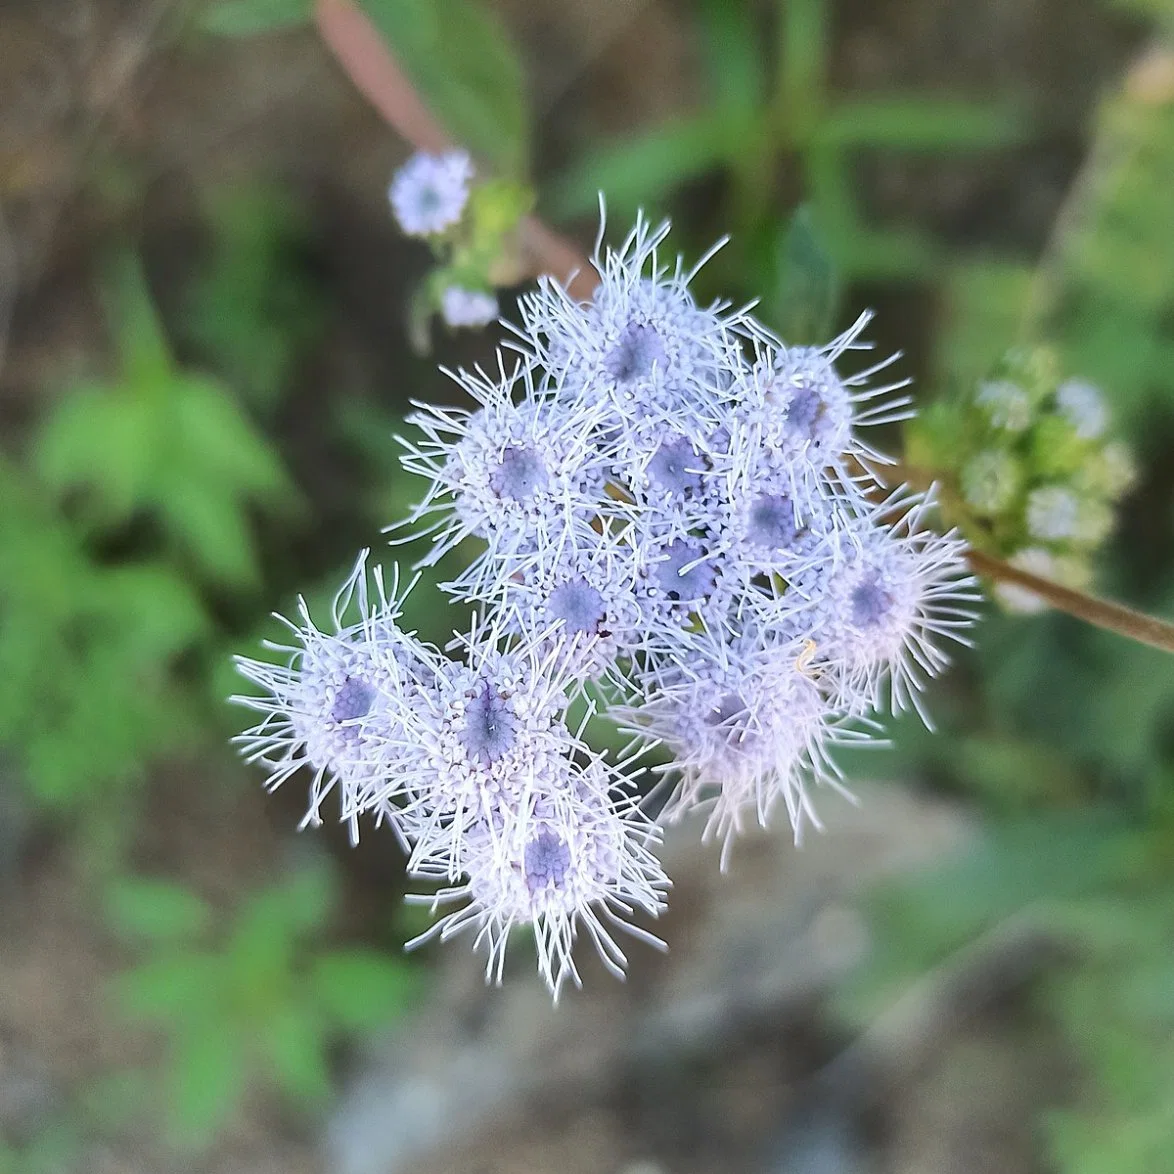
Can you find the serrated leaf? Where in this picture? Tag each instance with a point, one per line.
(246, 18)
(919, 124)
(158, 911)
(467, 70)
(361, 989)
(205, 1080)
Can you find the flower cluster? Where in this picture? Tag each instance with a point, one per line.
(1035, 476)
(678, 520)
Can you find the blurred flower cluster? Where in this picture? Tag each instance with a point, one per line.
(1034, 477)
(471, 228)
(678, 520)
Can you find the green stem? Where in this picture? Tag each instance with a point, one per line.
(1113, 617)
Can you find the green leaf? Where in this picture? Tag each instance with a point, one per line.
(467, 70)
(733, 55)
(172, 988)
(919, 124)
(221, 441)
(206, 1078)
(210, 525)
(361, 989)
(645, 169)
(244, 18)
(134, 321)
(158, 615)
(152, 910)
(294, 1043)
(806, 293)
(106, 441)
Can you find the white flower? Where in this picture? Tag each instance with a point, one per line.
(429, 192)
(471, 308)
(1054, 514)
(1083, 406)
(1006, 405)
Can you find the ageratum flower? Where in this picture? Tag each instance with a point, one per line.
(339, 703)
(885, 591)
(519, 473)
(429, 192)
(573, 854)
(467, 308)
(671, 513)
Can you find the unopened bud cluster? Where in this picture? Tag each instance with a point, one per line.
(1035, 478)
(677, 519)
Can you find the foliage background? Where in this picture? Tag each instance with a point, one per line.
(207, 346)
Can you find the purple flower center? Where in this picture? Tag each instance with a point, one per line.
(675, 468)
(489, 726)
(680, 584)
(772, 521)
(520, 474)
(804, 410)
(353, 700)
(578, 605)
(731, 715)
(546, 860)
(871, 604)
(637, 352)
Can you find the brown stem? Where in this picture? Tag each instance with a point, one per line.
(371, 65)
(1113, 616)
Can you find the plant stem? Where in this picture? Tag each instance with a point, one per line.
(1136, 625)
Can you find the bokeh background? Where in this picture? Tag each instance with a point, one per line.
(207, 342)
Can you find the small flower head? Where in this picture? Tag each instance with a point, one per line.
(885, 591)
(1006, 405)
(467, 308)
(520, 474)
(642, 341)
(991, 481)
(340, 705)
(1083, 406)
(571, 855)
(429, 192)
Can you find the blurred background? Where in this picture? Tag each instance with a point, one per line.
(209, 331)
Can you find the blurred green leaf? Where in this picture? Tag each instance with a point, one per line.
(360, 989)
(733, 52)
(253, 308)
(244, 18)
(172, 988)
(293, 1040)
(468, 72)
(205, 1082)
(644, 169)
(153, 910)
(802, 305)
(130, 311)
(919, 124)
